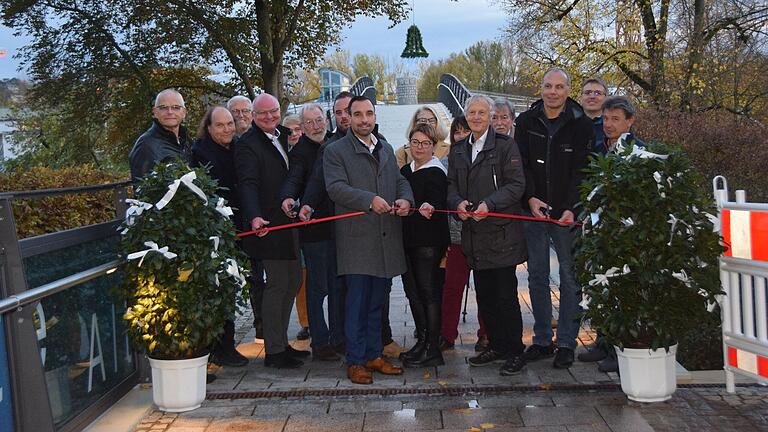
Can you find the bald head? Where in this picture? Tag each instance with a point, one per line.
(266, 112)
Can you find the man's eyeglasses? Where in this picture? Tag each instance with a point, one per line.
(420, 144)
(174, 108)
(431, 121)
(316, 122)
(245, 111)
(272, 111)
(593, 93)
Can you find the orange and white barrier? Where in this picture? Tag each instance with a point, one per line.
(743, 274)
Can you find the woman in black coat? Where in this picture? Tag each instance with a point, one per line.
(425, 238)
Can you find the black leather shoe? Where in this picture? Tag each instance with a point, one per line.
(563, 358)
(303, 334)
(282, 361)
(513, 366)
(298, 354)
(538, 352)
(482, 344)
(416, 350)
(486, 358)
(429, 356)
(228, 357)
(325, 353)
(341, 349)
(596, 354)
(445, 345)
(209, 378)
(610, 364)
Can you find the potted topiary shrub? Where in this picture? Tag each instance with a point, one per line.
(647, 260)
(183, 275)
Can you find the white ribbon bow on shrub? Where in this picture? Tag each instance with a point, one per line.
(137, 208)
(186, 179)
(224, 210)
(153, 247)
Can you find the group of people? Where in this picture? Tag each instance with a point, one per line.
(423, 215)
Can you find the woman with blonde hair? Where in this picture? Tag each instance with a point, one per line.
(427, 115)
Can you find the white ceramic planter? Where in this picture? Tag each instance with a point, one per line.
(647, 375)
(178, 385)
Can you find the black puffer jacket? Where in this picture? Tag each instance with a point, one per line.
(155, 145)
(496, 178)
(554, 153)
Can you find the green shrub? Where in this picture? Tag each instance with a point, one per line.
(41, 216)
(177, 305)
(648, 262)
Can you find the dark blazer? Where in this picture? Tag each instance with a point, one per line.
(495, 177)
(303, 159)
(157, 144)
(261, 171)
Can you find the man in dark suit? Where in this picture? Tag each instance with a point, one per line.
(261, 164)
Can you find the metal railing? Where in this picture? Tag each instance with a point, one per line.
(364, 86)
(21, 307)
(453, 94)
(743, 274)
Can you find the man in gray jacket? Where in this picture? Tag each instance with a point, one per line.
(361, 174)
(485, 174)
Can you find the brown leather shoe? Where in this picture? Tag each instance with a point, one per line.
(359, 375)
(382, 366)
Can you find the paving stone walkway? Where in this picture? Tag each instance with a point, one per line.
(453, 397)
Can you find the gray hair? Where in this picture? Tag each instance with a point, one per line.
(441, 132)
(238, 98)
(622, 103)
(291, 119)
(165, 92)
(308, 107)
(502, 103)
(479, 98)
(597, 81)
(557, 69)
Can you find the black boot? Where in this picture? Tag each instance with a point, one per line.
(224, 352)
(431, 354)
(417, 348)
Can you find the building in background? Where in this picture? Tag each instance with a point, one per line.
(332, 82)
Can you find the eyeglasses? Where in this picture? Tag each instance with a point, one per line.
(318, 122)
(272, 111)
(245, 111)
(501, 117)
(423, 120)
(593, 93)
(420, 144)
(169, 108)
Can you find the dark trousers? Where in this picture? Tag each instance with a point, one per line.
(282, 284)
(386, 328)
(424, 289)
(320, 259)
(257, 290)
(498, 304)
(366, 296)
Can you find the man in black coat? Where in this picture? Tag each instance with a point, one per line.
(317, 241)
(261, 165)
(485, 174)
(165, 140)
(213, 149)
(555, 136)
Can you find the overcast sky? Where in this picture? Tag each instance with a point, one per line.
(446, 26)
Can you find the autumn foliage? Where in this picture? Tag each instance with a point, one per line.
(41, 216)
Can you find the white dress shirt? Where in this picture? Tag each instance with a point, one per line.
(477, 146)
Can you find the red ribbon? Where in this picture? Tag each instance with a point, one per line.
(298, 224)
(348, 215)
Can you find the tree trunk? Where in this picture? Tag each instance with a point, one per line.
(655, 41)
(695, 53)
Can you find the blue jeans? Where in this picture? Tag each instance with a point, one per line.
(320, 258)
(366, 296)
(538, 235)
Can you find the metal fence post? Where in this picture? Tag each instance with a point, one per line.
(27, 378)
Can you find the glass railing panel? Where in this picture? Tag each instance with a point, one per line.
(47, 267)
(83, 347)
(6, 409)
